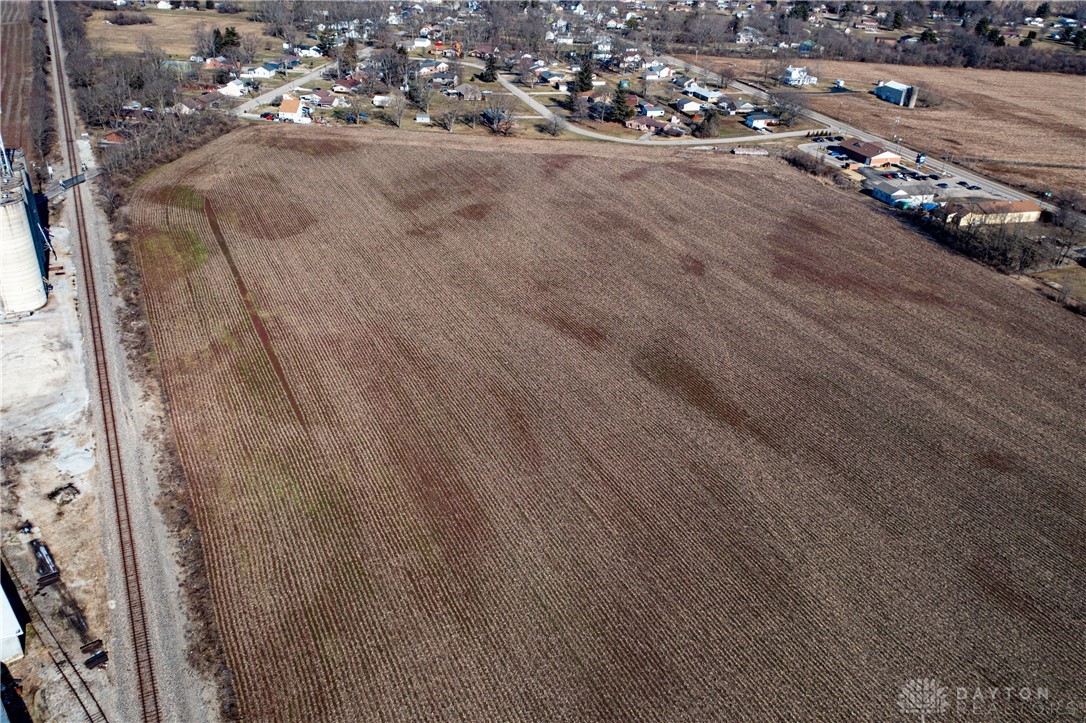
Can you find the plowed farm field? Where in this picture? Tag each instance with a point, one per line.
(503, 430)
(1027, 129)
(15, 72)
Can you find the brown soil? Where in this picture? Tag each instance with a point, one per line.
(567, 459)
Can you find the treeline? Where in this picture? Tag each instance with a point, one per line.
(41, 116)
(132, 95)
(948, 43)
(960, 48)
(1006, 247)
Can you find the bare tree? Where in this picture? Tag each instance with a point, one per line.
(248, 47)
(554, 125)
(789, 106)
(421, 93)
(397, 106)
(451, 115)
(203, 43)
(498, 114)
(728, 75)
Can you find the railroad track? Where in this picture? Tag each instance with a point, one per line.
(141, 643)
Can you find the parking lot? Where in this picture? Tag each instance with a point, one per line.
(945, 186)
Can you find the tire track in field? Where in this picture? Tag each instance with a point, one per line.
(254, 315)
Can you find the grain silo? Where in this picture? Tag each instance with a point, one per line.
(22, 240)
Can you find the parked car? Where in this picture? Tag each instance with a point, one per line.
(934, 176)
(975, 188)
(819, 140)
(942, 185)
(963, 184)
(267, 116)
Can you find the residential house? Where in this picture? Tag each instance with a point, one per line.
(868, 154)
(115, 138)
(704, 94)
(660, 70)
(750, 36)
(991, 212)
(797, 76)
(310, 52)
(261, 72)
(683, 81)
(903, 196)
(421, 43)
(234, 89)
(686, 105)
(294, 110)
(760, 121)
(468, 91)
(652, 111)
(325, 99)
(345, 85)
(445, 79)
(429, 67)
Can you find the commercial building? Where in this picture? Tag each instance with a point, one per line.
(869, 154)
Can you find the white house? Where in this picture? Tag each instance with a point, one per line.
(660, 70)
(704, 94)
(759, 121)
(749, 36)
(294, 110)
(422, 43)
(234, 89)
(797, 76)
(259, 72)
(382, 101)
(163, 5)
(686, 105)
(313, 52)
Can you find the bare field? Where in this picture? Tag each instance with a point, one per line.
(15, 73)
(995, 115)
(490, 430)
(172, 31)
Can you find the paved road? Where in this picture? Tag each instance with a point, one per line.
(546, 113)
(268, 96)
(907, 153)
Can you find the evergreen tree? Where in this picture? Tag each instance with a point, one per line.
(216, 41)
(929, 36)
(490, 73)
(582, 82)
(231, 39)
(1043, 9)
(899, 19)
(326, 41)
(620, 111)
